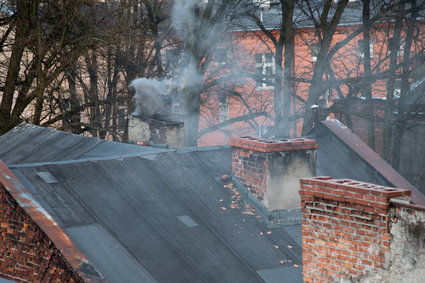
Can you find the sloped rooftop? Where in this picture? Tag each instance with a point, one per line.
(168, 219)
(140, 213)
(28, 143)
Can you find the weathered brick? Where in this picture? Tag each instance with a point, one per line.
(345, 228)
(27, 253)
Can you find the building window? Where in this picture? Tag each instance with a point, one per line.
(392, 45)
(360, 48)
(265, 70)
(324, 99)
(122, 117)
(223, 108)
(315, 48)
(221, 56)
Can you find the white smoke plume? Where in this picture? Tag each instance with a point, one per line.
(186, 21)
(152, 96)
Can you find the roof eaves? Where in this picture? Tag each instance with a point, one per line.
(147, 155)
(48, 225)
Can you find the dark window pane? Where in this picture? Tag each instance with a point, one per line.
(269, 57)
(269, 71)
(258, 58)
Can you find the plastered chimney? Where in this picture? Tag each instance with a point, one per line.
(156, 131)
(271, 169)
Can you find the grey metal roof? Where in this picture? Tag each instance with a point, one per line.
(272, 16)
(28, 143)
(165, 216)
(352, 14)
(166, 220)
(336, 159)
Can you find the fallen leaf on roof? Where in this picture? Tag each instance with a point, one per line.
(225, 177)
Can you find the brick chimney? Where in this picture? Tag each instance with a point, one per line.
(271, 169)
(157, 130)
(345, 228)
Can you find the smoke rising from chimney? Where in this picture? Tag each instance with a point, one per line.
(152, 97)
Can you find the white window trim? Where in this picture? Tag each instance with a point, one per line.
(361, 52)
(264, 65)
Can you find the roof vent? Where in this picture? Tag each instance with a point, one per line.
(47, 177)
(187, 220)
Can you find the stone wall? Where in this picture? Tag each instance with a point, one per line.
(406, 259)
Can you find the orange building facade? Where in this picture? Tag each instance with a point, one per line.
(253, 54)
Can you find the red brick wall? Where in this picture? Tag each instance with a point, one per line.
(250, 167)
(26, 253)
(345, 228)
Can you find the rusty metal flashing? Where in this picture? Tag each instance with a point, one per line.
(72, 255)
(373, 159)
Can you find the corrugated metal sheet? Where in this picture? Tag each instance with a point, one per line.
(27, 143)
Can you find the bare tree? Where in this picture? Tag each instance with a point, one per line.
(42, 39)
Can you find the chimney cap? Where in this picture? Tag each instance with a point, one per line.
(267, 145)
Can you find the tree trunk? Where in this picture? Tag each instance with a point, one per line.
(394, 47)
(288, 67)
(327, 30)
(403, 116)
(367, 83)
(25, 9)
